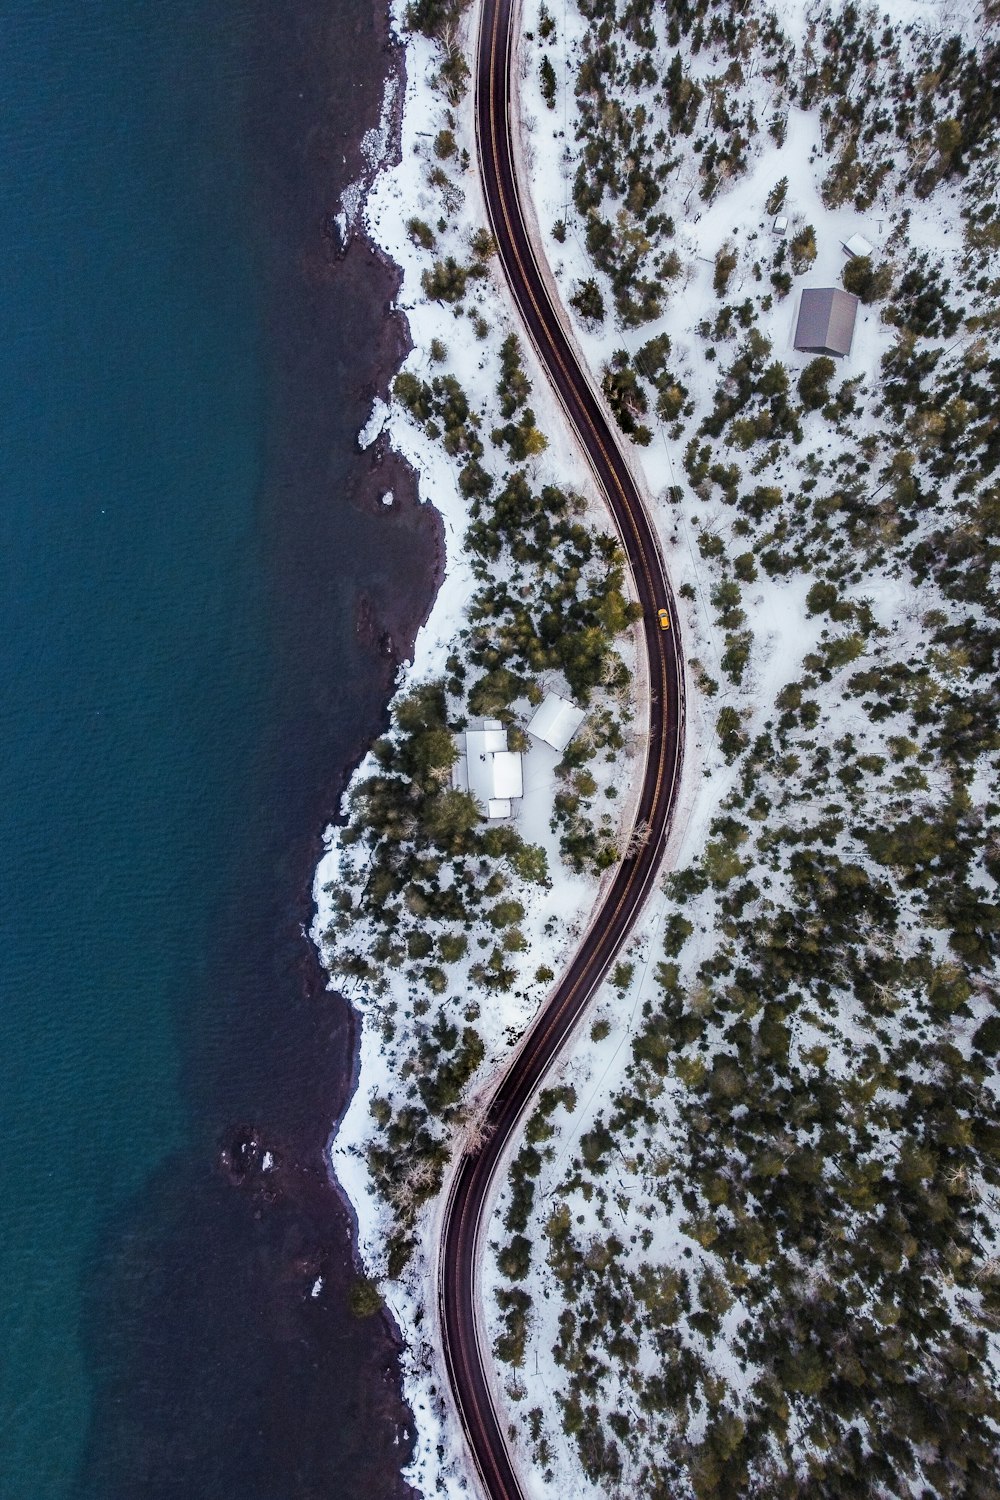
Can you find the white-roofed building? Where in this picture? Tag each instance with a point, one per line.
(486, 768)
(858, 245)
(555, 721)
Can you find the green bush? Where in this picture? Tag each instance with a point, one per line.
(547, 81)
(625, 395)
(418, 944)
(364, 1298)
(434, 17)
(515, 1304)
(454, 74)
(676, 933)
(484, 246)
(505, 914)
(802, 249)
(446, 282)
(820, 597)
(729, 728)
(725, 265)
(814, 382)
(866, 281)
(514, 1259)
(421, 233)
(588, 301)
(776, 197)
(452, 946)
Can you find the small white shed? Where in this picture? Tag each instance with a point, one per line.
(858, 245)
(486, 768)
(555, 721)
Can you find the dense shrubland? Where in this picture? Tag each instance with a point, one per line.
(650, 115)
(828, 1190)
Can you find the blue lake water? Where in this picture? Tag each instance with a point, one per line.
(201, 605)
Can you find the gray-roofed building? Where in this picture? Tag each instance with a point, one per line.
(826, 321)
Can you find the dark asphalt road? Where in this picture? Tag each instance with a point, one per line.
(464, 1222)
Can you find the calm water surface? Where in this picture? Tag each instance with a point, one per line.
(201, 602)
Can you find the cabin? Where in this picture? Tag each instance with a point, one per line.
(555, 721)
(826, 321)
(488, 769)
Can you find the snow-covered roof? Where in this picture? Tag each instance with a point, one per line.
(826, 320)
(858, 245)
(487, 740)
(555, 721)
(781, 224)
(487, 769)
(507, 781)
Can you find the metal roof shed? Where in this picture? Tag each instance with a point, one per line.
(826, 321)
(555, 721)
(858, 245)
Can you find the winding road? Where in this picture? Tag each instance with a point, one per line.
(465, 1217)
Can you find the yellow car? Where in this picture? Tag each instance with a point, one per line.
(663, 618)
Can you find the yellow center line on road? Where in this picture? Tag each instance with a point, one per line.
(546, 315)
(462, 1216)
